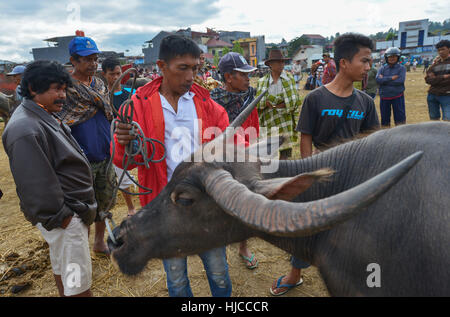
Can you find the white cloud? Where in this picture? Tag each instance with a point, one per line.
(29, 22)
(289, 19)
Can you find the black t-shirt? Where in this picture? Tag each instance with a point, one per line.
(119, 98)
(322, 111)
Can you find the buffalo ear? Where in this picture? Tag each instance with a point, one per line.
(290, 187)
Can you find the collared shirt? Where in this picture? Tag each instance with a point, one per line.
(277, 88)
(297, 69)
(181, 133)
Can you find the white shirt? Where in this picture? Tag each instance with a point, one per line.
(297, 69)
(277, 89)
(181, 134)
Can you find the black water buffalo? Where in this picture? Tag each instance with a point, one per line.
(370, 229)
(6, 106)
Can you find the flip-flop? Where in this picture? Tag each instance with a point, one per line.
(288, 286)
(248, 261)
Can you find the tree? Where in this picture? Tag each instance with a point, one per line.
(216, 59)
(226, 50)
(390, 36)
(237, 48)
(295, 44)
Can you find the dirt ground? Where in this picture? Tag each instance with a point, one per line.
(25, 265)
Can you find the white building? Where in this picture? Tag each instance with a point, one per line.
(308, 53)
(413, 39)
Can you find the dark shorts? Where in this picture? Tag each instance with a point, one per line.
(104, 185)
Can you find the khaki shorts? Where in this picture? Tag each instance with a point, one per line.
(70, 256)
(126, 181)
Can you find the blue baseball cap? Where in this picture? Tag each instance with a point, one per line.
(17, 70)
(234, 61)
(83, 46)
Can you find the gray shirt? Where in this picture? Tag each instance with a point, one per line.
(52, 175)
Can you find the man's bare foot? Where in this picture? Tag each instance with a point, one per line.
(101, 248)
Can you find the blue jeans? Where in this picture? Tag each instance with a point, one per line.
(435, 103)
(398, 108)
(299, 264)
(297, 80)
(216, 267)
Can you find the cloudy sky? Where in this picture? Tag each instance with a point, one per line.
(126, 25)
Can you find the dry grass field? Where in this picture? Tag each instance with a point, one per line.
(24, 253)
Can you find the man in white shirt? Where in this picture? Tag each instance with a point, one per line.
(297, 70)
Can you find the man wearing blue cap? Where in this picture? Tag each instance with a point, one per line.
(88, 113)
(16, 73)
(235, 97)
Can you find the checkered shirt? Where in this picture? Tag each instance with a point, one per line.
(283, 118)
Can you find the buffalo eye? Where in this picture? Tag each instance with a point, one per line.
(181, 199)
(185, 202)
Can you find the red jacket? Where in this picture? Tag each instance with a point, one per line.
(252, 121)
(148, 114)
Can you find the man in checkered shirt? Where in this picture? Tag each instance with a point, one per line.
(280, 106)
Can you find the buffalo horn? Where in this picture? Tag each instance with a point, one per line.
(285, 218)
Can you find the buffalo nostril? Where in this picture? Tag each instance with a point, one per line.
(118, 240)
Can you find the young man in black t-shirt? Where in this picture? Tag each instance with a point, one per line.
(336, 111)
(331, 114)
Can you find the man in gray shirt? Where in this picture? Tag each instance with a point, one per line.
(52, 175)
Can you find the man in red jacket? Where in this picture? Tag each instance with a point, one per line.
(174, 110)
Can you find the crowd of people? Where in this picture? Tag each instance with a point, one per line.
(59, 143)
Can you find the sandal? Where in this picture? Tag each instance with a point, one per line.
(287, 286)
(248, 261)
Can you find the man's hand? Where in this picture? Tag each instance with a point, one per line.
(123, 133)
(66, 222)
(394, 77)
(380, 76)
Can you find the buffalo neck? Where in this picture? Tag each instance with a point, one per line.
(339, 159)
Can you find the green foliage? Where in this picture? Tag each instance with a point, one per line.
(216, 59)
(295, 44)
(225, 51)
(237, 48)
(436, 27)
(390, 36)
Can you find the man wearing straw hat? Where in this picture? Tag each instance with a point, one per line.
(279, 108)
